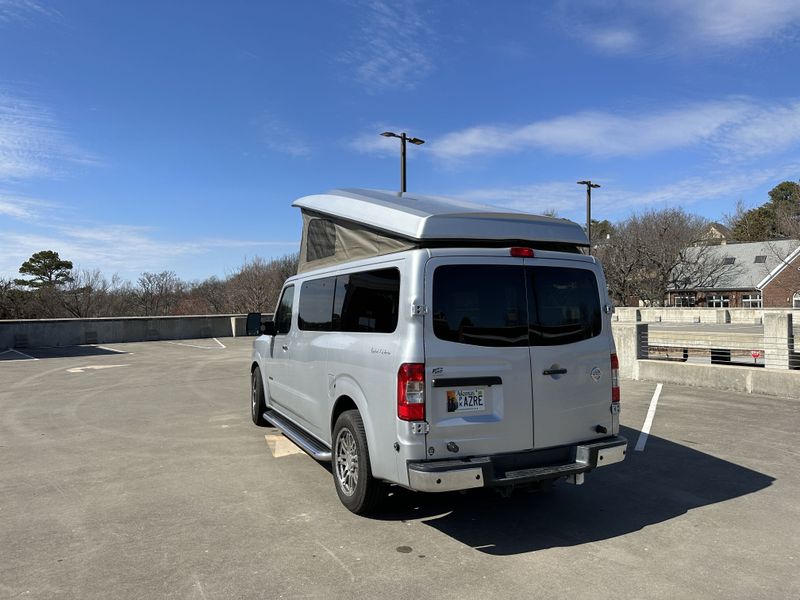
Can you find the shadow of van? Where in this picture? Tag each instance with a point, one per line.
(664, 482)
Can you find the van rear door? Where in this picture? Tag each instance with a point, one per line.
(570, 353)
(478, 364)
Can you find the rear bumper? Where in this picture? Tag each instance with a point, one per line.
(516, 468)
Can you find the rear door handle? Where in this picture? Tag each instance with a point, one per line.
(285, 347)
(554, 372)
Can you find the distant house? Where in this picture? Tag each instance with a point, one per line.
(717, 233)
(752, 275)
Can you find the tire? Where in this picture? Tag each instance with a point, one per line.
(358, 490)
(257, 401)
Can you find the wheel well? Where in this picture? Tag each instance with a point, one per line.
(254, 366)
(343, 403)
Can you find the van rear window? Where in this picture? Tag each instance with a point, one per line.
(482, 305)
(506, 305)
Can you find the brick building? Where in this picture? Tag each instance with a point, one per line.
(758, 274)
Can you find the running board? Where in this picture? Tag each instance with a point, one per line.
(309, 444)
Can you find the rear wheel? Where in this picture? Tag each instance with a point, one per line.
(257, 401)
(352, 474)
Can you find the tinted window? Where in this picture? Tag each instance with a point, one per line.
(483, 305)
(564, 307)
(316, 305)
(321, 239)
(283, 316)
(367, 301)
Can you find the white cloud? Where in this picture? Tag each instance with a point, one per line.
(612, 201)
(32, 143)
(733, 127)
(612, 39)
(282, 137)
(734, 22)
(116, 248)
(23, 10)
(391, 49)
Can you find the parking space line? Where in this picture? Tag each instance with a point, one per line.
(194, 345)
(220, 343)
(113, 350)
(648, 421)
(20, 353)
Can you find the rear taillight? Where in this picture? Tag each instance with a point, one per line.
(411, 392)
(614, 378)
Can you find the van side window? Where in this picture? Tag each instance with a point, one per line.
(482, 305)
(564, 306)
(283, 316)
(367, 301)
(316, 305)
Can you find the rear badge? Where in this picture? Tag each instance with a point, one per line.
(596, 374)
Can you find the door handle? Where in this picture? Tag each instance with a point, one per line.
(285, 347)
(554, 372)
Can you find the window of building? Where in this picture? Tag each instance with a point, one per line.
(796, 300)
(686, 300)
(751, 300)
(719, 300)
(728, 260)
(283, 316)
(761, 258)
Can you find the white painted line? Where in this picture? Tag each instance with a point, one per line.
(20, 353)
(112, 350)
(93, 367)
(193, 345)
(220, 343)
(648, 421)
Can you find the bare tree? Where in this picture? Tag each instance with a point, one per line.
(656, 251)
(158, 293)
(86, 294)
(256, 285)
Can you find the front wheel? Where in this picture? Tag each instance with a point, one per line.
(257, 402)
(352, 474)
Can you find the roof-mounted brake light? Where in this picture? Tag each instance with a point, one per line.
(520, 252)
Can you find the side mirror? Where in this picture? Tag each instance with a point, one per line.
(253, 324)
(267, 328)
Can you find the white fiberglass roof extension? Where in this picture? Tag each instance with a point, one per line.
(439, 219)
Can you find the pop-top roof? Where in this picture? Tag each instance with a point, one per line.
(433, 218)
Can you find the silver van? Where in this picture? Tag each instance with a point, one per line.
(440, 345)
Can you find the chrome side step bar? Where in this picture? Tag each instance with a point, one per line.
(307, 443)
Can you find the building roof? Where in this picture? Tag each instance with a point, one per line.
(432, 218)
(754, 264)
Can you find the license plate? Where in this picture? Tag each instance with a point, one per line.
(464, 400)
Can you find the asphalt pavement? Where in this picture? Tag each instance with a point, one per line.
(134, 471)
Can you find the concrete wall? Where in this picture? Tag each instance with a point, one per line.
(749, 380)
(629, 314)
(72, 332)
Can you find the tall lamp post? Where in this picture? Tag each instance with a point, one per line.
(403, 139)
(589, 185)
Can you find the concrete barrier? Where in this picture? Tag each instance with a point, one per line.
(671, 314)
(749, 380)
(32, 333)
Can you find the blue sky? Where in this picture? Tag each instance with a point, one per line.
(146, 136)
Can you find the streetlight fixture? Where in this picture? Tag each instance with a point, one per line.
(589, 185)
(403, 139)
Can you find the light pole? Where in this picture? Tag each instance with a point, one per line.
(589, 185)
(403, 139)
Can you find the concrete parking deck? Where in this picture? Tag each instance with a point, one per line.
(134, 471)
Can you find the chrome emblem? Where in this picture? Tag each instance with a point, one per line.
(596, 374)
